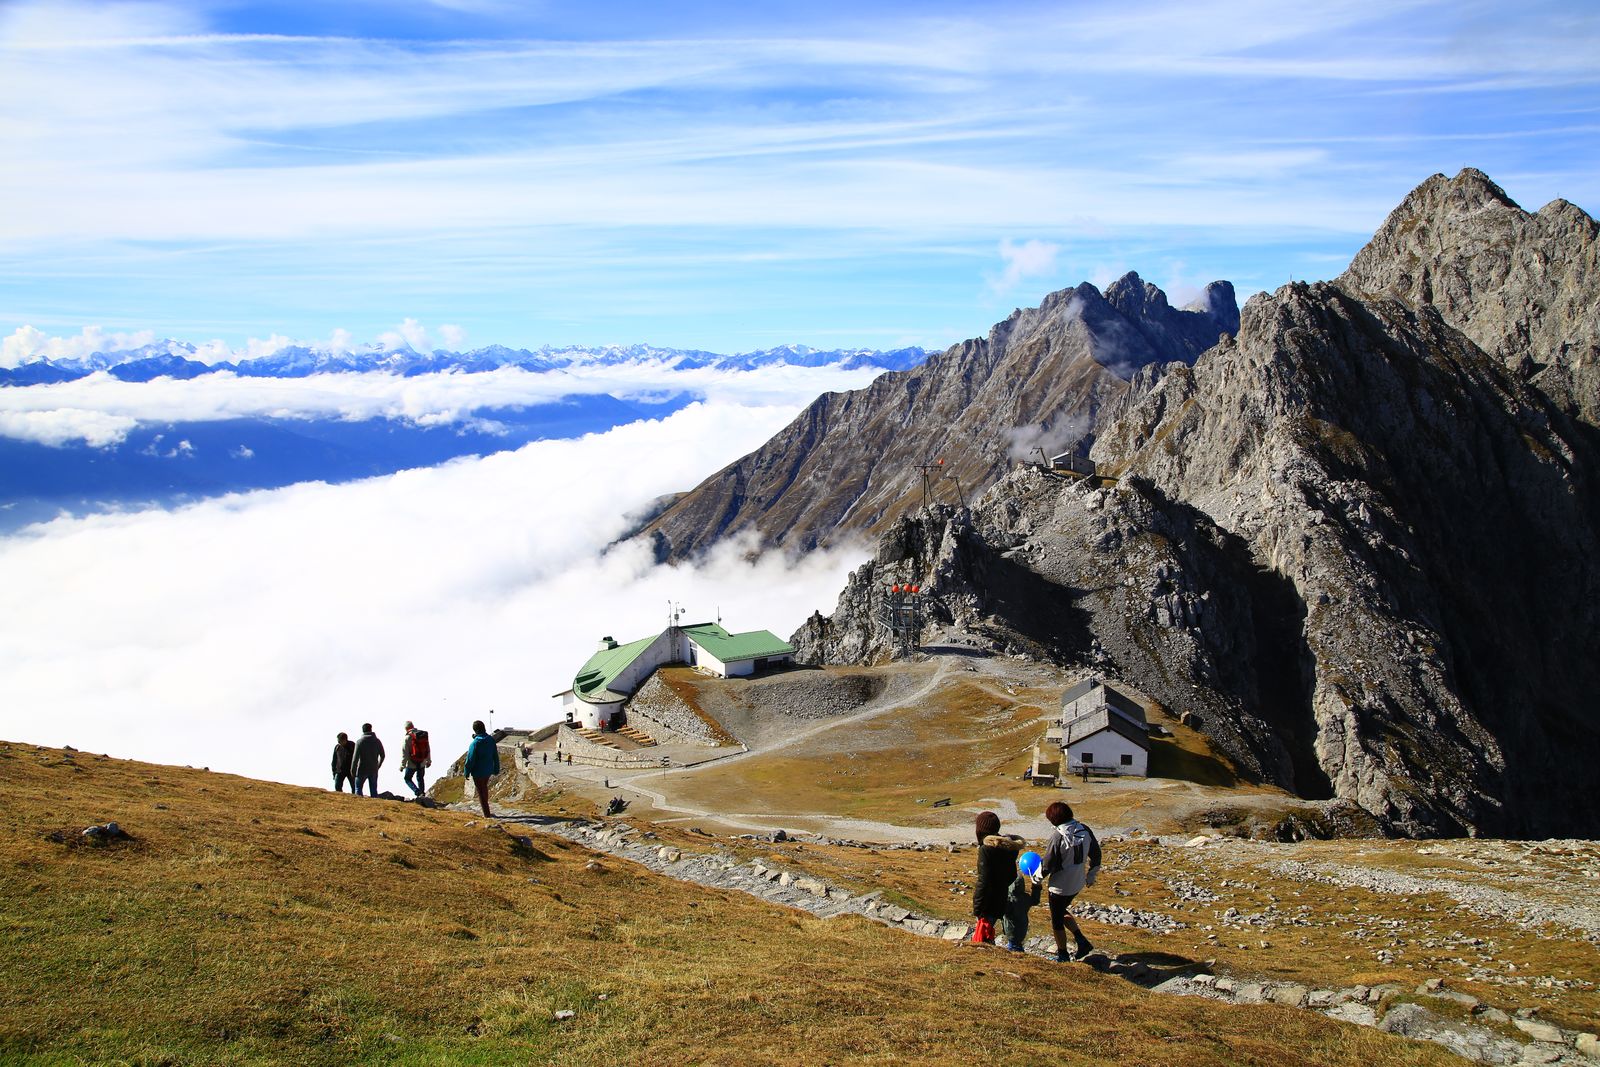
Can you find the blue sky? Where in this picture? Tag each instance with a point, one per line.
(736, 176)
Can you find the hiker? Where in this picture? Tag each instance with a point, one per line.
(482, 763)
(997, 864)
(1070, 863)
(415, 759)
(368, 758)
(547, 759)
(1021, 895)
(344, 751)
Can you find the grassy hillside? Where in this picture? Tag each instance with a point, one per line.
(249, 922)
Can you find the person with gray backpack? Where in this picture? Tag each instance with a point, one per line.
(1070, 863)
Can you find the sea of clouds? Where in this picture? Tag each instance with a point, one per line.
(101, 410)
(242, 633)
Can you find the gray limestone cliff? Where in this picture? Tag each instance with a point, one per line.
(1523, 286)
(849, 464)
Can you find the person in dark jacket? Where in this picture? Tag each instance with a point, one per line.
(482, 763)
(344, 751)
(997, 866)
(1070, 863)
(368, 758)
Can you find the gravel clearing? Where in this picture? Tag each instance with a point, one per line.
(1581, 915)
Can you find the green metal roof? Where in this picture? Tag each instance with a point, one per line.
(730, 647)
(596, 675)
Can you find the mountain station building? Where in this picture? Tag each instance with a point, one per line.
(615, 672)
(1103, 731)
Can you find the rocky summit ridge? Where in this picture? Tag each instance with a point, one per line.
(849, 464)
(1360, 540)
(1523, 286)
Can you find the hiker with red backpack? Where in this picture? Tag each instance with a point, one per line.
(415, 758)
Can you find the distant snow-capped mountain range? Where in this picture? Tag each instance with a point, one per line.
(180, 359)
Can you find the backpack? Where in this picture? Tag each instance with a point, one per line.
(420, 754)
(1070, 879)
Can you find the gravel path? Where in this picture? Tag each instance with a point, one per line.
(1431, 1014)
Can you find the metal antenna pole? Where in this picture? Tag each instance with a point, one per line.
(928, 476)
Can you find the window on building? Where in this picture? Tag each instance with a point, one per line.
(1088, 757)
(1127, 760)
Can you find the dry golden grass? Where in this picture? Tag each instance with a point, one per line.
(257, 923)
(965, 742)
(969, 741)
(1319, 949)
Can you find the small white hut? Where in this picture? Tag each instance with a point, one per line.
(1103, 731)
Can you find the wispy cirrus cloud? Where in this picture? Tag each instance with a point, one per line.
(485, 162)
(1024, 260)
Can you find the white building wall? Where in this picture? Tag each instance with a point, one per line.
(596, 716)
(738, 668)
(709, 663)
(1108, 747)
(664, 649)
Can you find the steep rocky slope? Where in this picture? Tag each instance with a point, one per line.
(1363, 549)
(849, 462)
(1439, 520)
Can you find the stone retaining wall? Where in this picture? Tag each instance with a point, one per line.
(586, 753)
(661, 713)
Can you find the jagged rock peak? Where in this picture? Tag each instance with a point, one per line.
(850, 464)
(1524, 286)
(1132, 295)
(1137, 298)
(1219, 301)
(1436, 517)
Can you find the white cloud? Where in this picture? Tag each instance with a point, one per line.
(939, 124)
(258, 349)
(452, 338)
(58, 427)
(1026, 442)
(1030, 259)
(242, 633)
(26, 344)
(101, 410)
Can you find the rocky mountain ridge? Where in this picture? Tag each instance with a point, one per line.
(1364, 550)
(1523, 286)
(853, 462)
(181, 359)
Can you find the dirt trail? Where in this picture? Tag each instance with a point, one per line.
(811, 822)
(889, 701)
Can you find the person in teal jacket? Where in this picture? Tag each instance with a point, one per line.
(483, 763)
